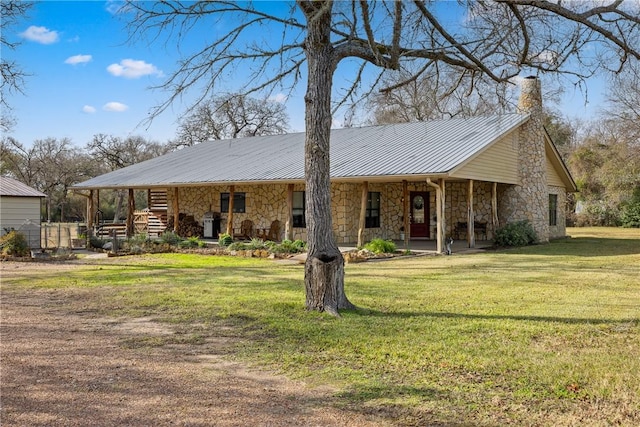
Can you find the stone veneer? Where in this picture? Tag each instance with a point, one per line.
(529, 200)
(267, 202)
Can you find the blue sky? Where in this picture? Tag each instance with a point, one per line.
(85, 78)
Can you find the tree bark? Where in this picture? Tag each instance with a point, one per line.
(324, 268)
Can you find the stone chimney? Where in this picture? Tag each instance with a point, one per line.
(530, 200)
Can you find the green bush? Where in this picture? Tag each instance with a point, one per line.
(170, 237)
(380, 246)
(256, 244)
(630, 217)
(288, 247)
(96, 242)
(14, 243)
(519, 233)
(225, 239)
(238, 246)
(191, 242)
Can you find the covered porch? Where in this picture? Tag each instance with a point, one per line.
(414, 213)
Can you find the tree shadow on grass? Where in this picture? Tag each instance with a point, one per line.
(528, 318)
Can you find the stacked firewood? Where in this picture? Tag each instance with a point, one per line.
(187, 226)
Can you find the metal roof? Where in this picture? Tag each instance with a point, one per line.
(400, 150)
(12, 188)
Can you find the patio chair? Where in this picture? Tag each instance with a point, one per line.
(274, 232)
(246, 232)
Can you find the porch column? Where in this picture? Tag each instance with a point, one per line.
(471, 234)
(443, 207)
(288, 231)
(131, 207)
(90, 211)
(232, 195)
(176, 209)
(494, 208)
(405, 213)
(439, 216)
(363, 212)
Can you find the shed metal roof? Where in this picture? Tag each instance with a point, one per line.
(12, 188)
(396, 150)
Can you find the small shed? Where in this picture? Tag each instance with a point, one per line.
(20, 210)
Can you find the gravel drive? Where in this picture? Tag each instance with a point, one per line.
(64, 365)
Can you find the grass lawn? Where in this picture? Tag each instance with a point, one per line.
(542, 335)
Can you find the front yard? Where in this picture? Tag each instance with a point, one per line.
(542, 335)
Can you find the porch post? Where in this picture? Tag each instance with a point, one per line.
(439, 232)
(471, 234)
(443, 217)
(363, 213)
(494, 208)
(232, 193)
(90, 211)
(289, 224)
(131, 207)
(176, 209)
(405, 213)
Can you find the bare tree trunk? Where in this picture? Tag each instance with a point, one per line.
(118, 209)
(324, 268)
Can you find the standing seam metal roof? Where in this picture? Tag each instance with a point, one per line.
(421, 148)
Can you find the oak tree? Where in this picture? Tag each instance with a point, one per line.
(231, 116)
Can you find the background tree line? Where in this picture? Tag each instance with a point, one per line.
(603, 154)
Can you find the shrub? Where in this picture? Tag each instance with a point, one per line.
(631, 215)
(519, 233)
(225, 239)
(14, 243)
(170, 237)
(380, 246)
(238, 246)
(96, 242)
(288, 247)
(256, 244)
(191, 242)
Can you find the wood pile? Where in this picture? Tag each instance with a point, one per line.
(187, 226)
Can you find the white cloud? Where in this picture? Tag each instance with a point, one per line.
(78, 59)
(133, 69)
(88, 109)
(41, 35)
(115, 106)
(116, 7)
(280, 98)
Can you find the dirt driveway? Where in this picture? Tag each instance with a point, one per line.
(64, 365)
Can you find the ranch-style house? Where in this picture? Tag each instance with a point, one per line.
(462, 178)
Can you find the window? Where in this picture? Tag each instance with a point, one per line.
(298, 208)
(372, 219)
(553, 209)
(238, 202)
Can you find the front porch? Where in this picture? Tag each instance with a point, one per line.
(418, 215)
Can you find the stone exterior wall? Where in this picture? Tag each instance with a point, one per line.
(267, 202)
(263, 204)
(529, 200)
(456, 209)
(560, 229)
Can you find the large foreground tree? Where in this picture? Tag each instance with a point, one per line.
(281, 42)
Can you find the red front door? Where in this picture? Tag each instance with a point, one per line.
(419, 214)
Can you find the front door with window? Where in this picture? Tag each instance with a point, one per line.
(419, 215)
